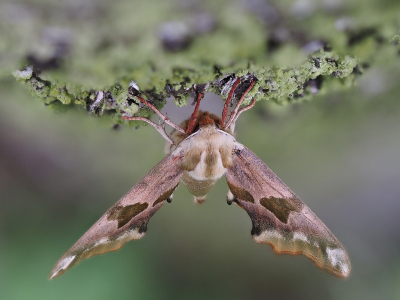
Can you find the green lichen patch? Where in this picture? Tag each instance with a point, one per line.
(171, 50)
(281, 85)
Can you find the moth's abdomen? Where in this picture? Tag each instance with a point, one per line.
(202, 171)
(198, 188)
(207, 155)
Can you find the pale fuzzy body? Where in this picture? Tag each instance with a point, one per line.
(207, 155)
(208, 152)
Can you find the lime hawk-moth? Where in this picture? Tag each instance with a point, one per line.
(201, 151)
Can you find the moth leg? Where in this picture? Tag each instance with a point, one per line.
(160, 127)
(228, 100)
(199, 200)
(232, 125)
(164, 118)
(230, 198)
(193, 117)
(236, 112)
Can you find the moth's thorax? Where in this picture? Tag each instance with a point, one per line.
(207, 154)
(204, 119)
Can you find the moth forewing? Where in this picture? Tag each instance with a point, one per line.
(128, 218)
(200, 152)
(279, 217)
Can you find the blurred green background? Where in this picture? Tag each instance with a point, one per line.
(59, 172)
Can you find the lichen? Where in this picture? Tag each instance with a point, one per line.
(278, 84)
(288, 52)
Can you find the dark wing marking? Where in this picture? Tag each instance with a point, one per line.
(128, 218)
(279, 217)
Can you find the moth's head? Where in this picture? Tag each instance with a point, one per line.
(204, 119)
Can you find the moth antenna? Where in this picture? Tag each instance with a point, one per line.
(199, 200)
(193, 117)
(234, 115)
(164, 118)
(228, 100)
(160, 127)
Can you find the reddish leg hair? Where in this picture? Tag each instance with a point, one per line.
(228, 100)
(235, 114)
(193, 117)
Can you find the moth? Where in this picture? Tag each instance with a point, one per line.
(201, 151)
